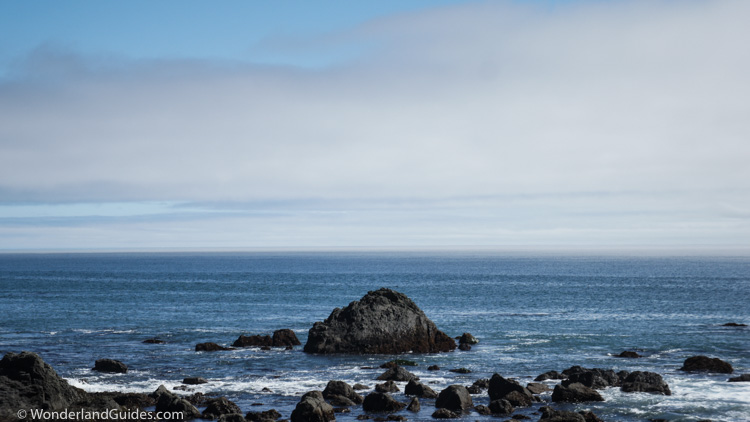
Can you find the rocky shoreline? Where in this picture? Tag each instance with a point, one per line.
(383, 321)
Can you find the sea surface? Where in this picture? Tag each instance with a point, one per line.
(531, 313)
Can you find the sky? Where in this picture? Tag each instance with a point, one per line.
(534, 125)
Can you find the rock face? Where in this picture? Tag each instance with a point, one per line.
(110, 366)
(575, 393)
(706, 364)
(383, 321)
(454, 397)
(281, 338)
(646, 382)
(313, 408)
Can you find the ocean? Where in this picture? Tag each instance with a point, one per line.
(531, 314)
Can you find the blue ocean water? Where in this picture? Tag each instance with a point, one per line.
(531, 314)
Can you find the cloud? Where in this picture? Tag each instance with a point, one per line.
(645, 101)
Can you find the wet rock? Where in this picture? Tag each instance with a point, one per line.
(397, 374)
(110, 366)
(575, 393)
(706, 364)
(464, 347)
(734, 324)
(398, 362)
(592, 378)
(445, 414)
(381, 402)
(387, 387)
(501, 407)
(482, 410)
(414, 405)
(220, 406)
(339, 401)
(312, 407)
(253, 341)
(433, 368)
(284, 338)
(454, 397)
(551, 415)
(537, 388)
(589, 416)
(132, 400)
(360, 387)
(467, 338)
(170, 402)
(194, 381)
(196, 399)
(232, 417)
(264, 416)
(500, 387)
(383, 321)
(629, 354)
(550, 375)
(340, 388)
(646, 382)
(154, 341)
(460, 370)
(518, 399)
(414, 388)
(741, 378)
(210, 347)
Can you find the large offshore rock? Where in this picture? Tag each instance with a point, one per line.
(383, 321)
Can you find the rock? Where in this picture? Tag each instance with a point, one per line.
(131, 400)
(360, 387)
(414, 388)
(741, 378)
(398, 362)
(265, 416)
(445, 414)
(170, 402)
(550, 375)
(194, 381)
(500, 387)
(464, 347)
(210, 347)
(589, 416)
(501, 407)
(253, 341)
(628, 354)
(340, 388)
(232, 417)
(284, 338)
(734, 324)
(154, 341)
(518, 399)
(646, 382)
(537, 388)
(339, 401)
(706, 364)
(387, 387)
(575, 393)
(397, 374)
(551, 415)
(460, 370)
(592, 378)
(218, 407)
(482, 410)
(467, 338)
(454, 397)
(312, 407)
(158, 392)
(433, 368)
(383, 321)
(110, 366)
(414, 405)
(381, 402)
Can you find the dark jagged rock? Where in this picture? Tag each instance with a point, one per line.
(518, 399)
(154, 341)
(592, 378)
(264, 416)
(131, 400)
(445, 414)
(741, 378)
(646, 382)
(537, 388)
(210, 347)
(575, 393)
(312, 407)
(170, 402)
(360, 387)
(454, 397)
(197, 399)
(397, 374)
(383, 321)
(550, 375)
(284, 338)
(194, 381)
(414, 388)
(414, 405)
(551, 415)
(340, 388)
(706, 364)
(501, 407)
(381, 402)
(387, 387)
(27, 382)
(467, 338)
(218, 407)
(500, 387)
(110, 366)
(628, 354)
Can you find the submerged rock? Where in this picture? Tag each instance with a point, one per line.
(194, 381)
(741, 378)
(445, 414)
(550, 375)
(414, 405)
(628, 354)
(210, 347)
(734, 324)
(312, 407)
(706, 364)
(383, 321)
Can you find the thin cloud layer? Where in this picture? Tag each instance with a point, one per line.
(643, 101)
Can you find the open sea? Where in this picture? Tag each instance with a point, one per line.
(531, 313)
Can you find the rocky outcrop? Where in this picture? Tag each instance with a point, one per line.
(645, 382)
(575, 393)
(210, 347)
(706, 364)
(383, 321)
(110, 366)
(312, 407)
(381, 402)
(335, 389)
(414, 388)
(455, 398)
(218, 407)
(281, 338)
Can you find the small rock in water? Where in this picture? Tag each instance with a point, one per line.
(414, 405)
(741, 378)
(433, 368)
(550, 375)
(467, 338)
(381, 402)
(387, 387)
(110, 366)
(154, 341)
(460, 370)
(445, 414)
(397, 374)
(706, 364)
(313, 407)
(734, 324)
(194, 381)
(210, 347)
(646, 382)
(628, 354)
(454, 397)
(575, 393)
(465, 347)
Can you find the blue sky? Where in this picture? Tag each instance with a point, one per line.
(391, 124)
